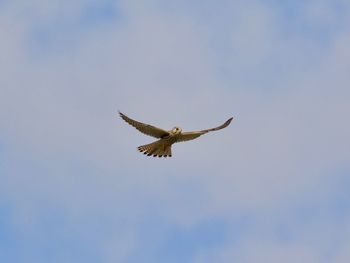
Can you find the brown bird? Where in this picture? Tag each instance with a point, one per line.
(162, 147)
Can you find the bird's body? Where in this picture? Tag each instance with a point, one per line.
(162, 147)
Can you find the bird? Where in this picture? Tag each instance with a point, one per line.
(162, 147)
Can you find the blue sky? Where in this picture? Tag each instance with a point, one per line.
(272, 187)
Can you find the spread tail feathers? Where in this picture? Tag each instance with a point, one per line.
(157, 148)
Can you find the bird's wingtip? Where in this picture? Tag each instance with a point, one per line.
(121, 115)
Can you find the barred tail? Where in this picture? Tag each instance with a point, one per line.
(157, 148)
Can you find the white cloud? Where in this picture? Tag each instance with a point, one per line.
(59, 109)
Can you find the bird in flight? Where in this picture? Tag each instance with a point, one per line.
(162, 147)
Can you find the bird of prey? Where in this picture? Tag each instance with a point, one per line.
(162, 147)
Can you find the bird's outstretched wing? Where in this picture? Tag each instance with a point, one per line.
(145, 128)
(187, 136)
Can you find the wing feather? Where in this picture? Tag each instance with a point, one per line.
(145, 128)
(187, 136)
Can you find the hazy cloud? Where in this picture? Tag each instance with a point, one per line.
(272, 186)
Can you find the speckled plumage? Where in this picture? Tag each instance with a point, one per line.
(162, 147)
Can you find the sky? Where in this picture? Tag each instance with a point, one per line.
(272, 187)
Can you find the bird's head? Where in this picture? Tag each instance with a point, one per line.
(176, 130)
